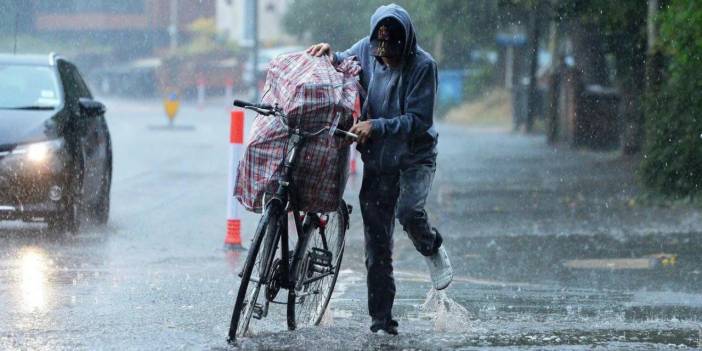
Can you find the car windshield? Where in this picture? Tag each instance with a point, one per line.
(28, 87)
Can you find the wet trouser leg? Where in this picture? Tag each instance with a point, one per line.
(415, 183)
(384, 197)
(378, 198)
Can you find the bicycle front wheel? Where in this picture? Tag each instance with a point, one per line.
(249, 300)
(318, 270)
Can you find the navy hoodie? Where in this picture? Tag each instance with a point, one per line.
(400, 101)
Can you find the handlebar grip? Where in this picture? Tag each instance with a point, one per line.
(242, 104)
(257, 107)
(346, 134)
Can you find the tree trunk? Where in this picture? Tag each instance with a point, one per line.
(589, 53)
(534, 33)
(552, 127)
(654, 60)
(646, 74)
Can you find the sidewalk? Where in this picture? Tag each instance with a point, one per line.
(513, 208)
(494, 183)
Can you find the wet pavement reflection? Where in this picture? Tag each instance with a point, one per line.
(552, 250)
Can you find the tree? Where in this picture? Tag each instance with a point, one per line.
(672, 161)
(449, 29)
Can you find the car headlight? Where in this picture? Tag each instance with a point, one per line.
(38, 152)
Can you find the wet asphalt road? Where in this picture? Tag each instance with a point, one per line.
(543, 241)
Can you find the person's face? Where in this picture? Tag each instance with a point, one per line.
(388, 41)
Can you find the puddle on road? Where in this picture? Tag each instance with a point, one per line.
(480, 316)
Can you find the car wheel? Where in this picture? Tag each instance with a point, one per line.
(70, 218)
(55, 224)
(102, 209)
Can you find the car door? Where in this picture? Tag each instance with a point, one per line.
(88, 130)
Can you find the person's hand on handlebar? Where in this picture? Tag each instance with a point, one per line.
(320, 50)
(363, 130)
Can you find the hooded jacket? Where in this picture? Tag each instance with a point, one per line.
(400, 101)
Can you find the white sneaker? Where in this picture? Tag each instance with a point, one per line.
(440, 269)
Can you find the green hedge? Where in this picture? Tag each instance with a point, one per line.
(672, 162)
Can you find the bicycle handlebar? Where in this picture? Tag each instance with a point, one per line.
(263, 109)
(346, 134)
(268, 110)
(245, 104)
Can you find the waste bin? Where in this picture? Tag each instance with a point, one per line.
(597, 126)
(450, 87)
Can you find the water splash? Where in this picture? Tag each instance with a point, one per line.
(447, 314)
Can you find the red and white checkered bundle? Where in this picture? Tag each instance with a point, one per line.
(311, 92)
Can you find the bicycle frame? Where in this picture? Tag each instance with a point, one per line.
(280, 203)
(283, 272)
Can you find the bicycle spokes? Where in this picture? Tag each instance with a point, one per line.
(318, 271)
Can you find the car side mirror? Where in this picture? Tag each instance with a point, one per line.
(90, 107)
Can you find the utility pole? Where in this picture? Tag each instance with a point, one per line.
(14, 50)
(173, 27)
(251, 40)
(509, 66)
(255, 48)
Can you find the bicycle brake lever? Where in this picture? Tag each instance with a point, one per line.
(335, 124)
(334, 129)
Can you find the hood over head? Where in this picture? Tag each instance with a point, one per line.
(400, 15)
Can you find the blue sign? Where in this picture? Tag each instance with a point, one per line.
(505, 39)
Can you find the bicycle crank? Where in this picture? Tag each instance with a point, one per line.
(275, 281)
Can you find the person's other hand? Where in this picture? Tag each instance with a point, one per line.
(363, 130)
(320, 50)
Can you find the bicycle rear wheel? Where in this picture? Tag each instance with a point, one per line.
(318, 270)
(249, 300)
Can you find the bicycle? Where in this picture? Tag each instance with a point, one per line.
(309, 272)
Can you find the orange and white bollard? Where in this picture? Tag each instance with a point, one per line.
(352, 161)
(236, 141)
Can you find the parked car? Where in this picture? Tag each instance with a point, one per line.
(55, 149)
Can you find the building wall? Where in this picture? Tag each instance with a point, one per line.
(135, 15)
(230, 18)
(135, 27)
(85, 15)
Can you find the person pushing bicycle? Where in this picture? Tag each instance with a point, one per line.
(397, 140)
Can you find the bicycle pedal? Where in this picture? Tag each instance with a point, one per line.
(257, 311)
(320, 260)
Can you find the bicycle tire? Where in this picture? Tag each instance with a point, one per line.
(322, 304)
(252, 261)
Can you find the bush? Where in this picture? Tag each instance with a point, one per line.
(672, 161)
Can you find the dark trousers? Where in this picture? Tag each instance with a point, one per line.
(384, 197)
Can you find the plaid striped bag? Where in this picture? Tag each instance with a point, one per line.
(312, 93)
